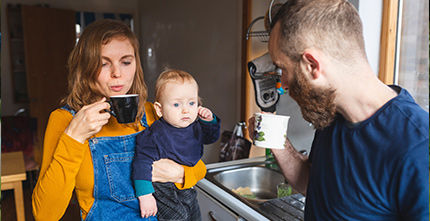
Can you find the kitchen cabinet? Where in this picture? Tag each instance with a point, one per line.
(41, 39)
(212, 210)
(16, 45)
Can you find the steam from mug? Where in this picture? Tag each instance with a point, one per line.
(124, 107)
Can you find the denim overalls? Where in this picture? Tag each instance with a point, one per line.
(114, 196)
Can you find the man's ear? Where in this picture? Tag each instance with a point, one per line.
(158, 109)
(312, 63)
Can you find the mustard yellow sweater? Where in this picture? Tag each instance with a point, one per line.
(67, 166)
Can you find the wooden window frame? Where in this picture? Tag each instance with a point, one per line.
(387, 54)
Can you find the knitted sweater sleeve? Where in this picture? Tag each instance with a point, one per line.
(62, 158)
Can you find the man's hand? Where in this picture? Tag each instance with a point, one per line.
(251, 125)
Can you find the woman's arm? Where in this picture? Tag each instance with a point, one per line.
(62, 157)
(192, 175)
(64, 148)
(166, 170)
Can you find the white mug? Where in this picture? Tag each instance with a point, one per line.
(270, 130)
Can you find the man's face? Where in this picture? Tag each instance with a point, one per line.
(317, 104)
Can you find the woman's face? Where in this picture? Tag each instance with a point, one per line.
(118, 69)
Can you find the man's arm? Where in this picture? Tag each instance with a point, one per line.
(294, 165)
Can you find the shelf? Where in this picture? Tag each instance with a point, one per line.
(17, 54)
(18, 70)
(17, 40)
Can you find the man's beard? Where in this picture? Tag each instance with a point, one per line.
(317, 105)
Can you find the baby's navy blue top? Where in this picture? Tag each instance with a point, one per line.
(162, 140)
(377, 170)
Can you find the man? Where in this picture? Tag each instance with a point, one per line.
(369, 157)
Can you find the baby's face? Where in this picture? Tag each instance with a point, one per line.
(179, 103)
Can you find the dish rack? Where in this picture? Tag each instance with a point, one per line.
(263, 36)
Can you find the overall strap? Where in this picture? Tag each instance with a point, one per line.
(69, 109)
(143, 122)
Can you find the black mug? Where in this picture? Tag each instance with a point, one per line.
(124, 107)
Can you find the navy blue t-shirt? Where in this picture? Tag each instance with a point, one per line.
(182, 145)
(376, 170)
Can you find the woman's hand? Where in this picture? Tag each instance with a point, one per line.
(166, 170)
(88, 121)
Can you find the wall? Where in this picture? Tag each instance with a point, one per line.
(371, 16)
(9, 107)
(202, 39)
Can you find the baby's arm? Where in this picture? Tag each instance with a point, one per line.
(145, 155)
(148, 205)
(205, 114)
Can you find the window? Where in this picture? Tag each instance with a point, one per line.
(413, 45)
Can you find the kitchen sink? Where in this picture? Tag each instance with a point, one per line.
(262, 181)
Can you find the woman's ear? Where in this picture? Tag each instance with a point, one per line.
(311, 61)
(158, 109)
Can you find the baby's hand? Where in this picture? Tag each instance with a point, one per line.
(148, 205)
(205, 114)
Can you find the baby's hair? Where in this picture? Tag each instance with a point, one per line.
(172, 75)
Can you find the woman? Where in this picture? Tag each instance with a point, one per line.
(87, 150)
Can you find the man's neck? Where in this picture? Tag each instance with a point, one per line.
(360, 97)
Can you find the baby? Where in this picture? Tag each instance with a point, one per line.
(177, 135)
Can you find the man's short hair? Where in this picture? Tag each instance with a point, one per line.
(333, 26)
